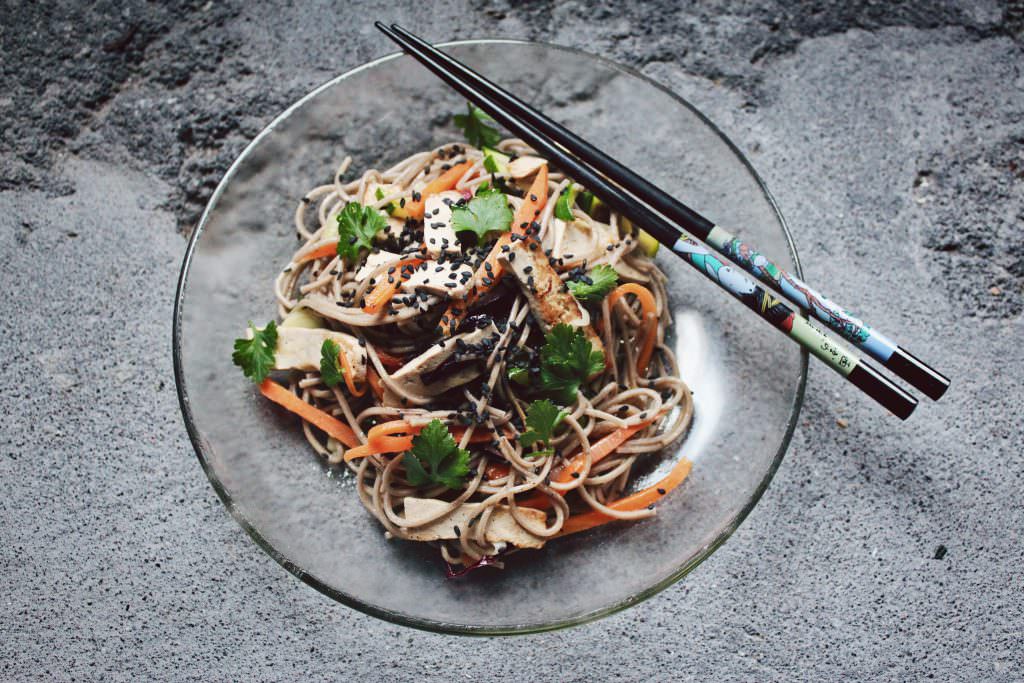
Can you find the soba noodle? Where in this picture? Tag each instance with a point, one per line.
(619, 397)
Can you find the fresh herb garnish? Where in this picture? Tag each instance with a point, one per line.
(595, 285)
(484, 213)
(331, 371)
(357, 226)
(566, 199)
(256, 356)
(475, 126)
(435, 458)
(541, 419)
(567, 359)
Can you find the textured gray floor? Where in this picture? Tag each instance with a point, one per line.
(893, 138)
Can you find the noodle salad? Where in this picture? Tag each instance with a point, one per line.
(482, 342)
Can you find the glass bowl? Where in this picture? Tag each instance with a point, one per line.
(747, 379)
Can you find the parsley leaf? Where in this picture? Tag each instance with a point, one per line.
(256, 356)
(331, 371)
(357, 226)
(435, 458)
(541, 419)
(595, 285)
(486, 212)
(475, 126)
(567, 359)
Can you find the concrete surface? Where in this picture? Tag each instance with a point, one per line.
(893, 138)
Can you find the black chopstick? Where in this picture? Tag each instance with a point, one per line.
(901, 362)
(855, 370)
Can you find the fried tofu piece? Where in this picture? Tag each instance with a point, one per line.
(298, 348)
(438, 232)
(549, 298)
(501, 528)
(468, 345)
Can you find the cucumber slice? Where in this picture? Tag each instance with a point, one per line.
(302, 317)
(563, 207)
(496, 162)
(648, 243)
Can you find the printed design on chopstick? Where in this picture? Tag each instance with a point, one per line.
(756, 263)
(771, 309)
(738, 284)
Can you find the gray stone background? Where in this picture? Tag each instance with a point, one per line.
(892, 136)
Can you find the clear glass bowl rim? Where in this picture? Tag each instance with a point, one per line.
(403, 619)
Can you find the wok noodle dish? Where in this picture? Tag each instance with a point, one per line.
(482, 342)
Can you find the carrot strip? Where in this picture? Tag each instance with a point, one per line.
(638, 501)
(496, 470)
(491, 269)
(650, 315)
(346, 370)
(445, 181)
(323, 251)
(388, 429)
(537, 501)
(396, 437)
(391, 444)
(373, 379)
(390, 363)
(598, 452)
(388, 285)
(359, 452)
(316, 417)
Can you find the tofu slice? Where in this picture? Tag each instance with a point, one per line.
(522, 167)
(428, 279)
(410, 376)
(298, 348)
(501, 528)
(373, 261)
(438, 233)
(549, 298)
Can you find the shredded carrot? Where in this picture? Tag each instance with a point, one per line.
(638, 501)
(391, 444)
(316, 417)
(388, 285)
(445, 181)
(396, 436)
(538, 501)
(323, 251)
(346, 370)
(650, 317)
(359, 452)
(390, 363)
(373, 379)
(388, 428)
(598, 452)
(496, 470)
(491, 269)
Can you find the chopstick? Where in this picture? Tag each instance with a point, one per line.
(621, 198)
(900, 361)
